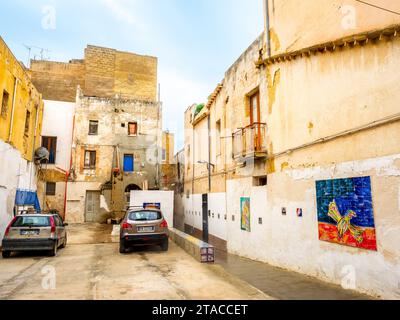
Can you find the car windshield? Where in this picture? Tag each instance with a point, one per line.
(31, 222)
(145, 216)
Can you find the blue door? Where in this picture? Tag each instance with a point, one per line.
(128, 163)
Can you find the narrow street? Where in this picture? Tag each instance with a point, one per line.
(92, 268)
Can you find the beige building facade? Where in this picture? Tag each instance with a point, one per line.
(304, 124)
(110, 140)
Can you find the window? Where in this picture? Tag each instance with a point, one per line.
(129, 163)
(132, 128)
(27, 123)
(260, 181)
(255, 108)
(93, 128)
(4, 103)
(218, 137)
(50, 143)
(164, 155)
(90, 159)
(50, 189)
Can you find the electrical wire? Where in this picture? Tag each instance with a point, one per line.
(377, 7)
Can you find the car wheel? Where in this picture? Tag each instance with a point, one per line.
(64, 243)
(164, 245)
(122, 247)
(53, 252)
(6, 254)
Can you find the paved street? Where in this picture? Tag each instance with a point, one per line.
(282, 284)
(91, 268)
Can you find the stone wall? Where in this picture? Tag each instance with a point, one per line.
(103, 73)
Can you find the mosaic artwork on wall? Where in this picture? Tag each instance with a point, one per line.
(245, 213)
(345, 212)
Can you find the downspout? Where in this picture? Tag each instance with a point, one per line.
(12, 110)
(209, 153)
(68, 174)
(267, 27)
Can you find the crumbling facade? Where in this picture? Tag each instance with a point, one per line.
(114, 132)
(302, 133)
(20, 127)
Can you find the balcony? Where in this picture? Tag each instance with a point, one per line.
(250, 142)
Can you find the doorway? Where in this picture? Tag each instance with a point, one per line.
(205, 218)
(92, 206)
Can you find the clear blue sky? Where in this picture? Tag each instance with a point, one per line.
(195, 40)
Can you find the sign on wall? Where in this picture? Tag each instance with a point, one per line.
(245, 213)
(345, 212)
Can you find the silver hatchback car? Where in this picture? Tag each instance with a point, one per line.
(143, 227)
(35, 232)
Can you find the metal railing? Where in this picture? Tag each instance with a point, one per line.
(250, 141)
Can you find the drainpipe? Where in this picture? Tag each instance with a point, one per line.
(12, 110)
(209, 153)
(68, 174)
(267, 27)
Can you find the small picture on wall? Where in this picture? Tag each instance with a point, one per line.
(245, 214)
(299, 212)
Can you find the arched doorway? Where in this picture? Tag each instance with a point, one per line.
(128, 189)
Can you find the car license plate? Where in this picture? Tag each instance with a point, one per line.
(29, 232)
(146, 229)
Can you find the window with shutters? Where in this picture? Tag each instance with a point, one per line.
(27, 123)
(90, 159)
(50, 189)
(50, 143)
(93, 128)
(4, 104)
(132, 129)
(129, 164)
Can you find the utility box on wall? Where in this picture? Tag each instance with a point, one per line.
(165, 199)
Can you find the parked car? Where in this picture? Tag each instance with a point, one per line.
(143, 227)
(35, 232)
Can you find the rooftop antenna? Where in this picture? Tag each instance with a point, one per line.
(41, 50)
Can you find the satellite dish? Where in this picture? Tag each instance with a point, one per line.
(42, 154)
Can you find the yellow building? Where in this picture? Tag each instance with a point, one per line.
(20, 128)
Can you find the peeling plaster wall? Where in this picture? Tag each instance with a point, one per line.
(292, 242)
(113, 116)
(16, 173)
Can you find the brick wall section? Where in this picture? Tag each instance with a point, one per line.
(56, 80)
(102, 73)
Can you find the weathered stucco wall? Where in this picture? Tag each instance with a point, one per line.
(19, 133)
(333, 114)
(296, 26)
(111, 143)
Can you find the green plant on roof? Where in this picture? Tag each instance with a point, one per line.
(198, 109)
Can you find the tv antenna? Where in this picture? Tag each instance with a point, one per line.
(42, 53)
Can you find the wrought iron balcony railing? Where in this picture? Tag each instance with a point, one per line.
(250, 142)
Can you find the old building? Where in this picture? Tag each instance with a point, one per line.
(168, 164)
(20, 127)
(302, 165)
(110, 141)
